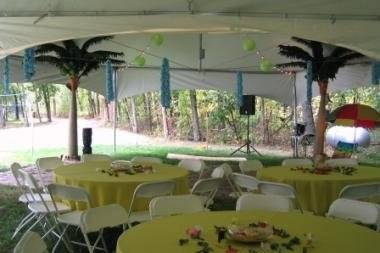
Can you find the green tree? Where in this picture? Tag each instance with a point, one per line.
(74, 62)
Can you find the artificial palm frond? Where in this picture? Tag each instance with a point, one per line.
(348, 57)
(293, 64)
(315, 46)
(340, 51)
(93, 41)
(107, 54)
(294, 52)
(50, 48)
(49, 59)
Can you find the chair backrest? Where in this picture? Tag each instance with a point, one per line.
(30, 242)
(151, 190)
(48, 163)
(356, 211)
(242, 181)
(145, 159)
(250, 166)
(360, 191)
(171, 205)
(29, 181)
(206, 186)
(270, 188)
(15, 168)
(207, 189)
(66, 192)
(350, 162)
(193, 165)
(222, 171)
(95, 157)
(262, 202)
(297, 162)
(94, 219)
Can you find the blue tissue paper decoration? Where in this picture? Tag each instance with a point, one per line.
(309, 81)
(6, 80)
(109, 82)
(376, 72)
(239, 89)
(28, 64)
(165, 84)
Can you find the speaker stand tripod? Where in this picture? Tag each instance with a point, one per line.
(247, 147)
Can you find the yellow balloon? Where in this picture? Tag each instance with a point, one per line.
(249, 45)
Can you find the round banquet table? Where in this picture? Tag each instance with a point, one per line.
(317, 192)
(105, 189)
(330, 236)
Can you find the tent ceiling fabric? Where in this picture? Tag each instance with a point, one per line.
(350, 23)
(224, 23)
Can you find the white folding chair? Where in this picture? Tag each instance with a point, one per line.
(336, 162)
(305, 162)
(260, 202)
(206, 189)
(43, 210)
(30, 242)
(145, 159)
(45, 164)
(285, 190)
(72, 218)
(360, 191)
(95, 157)
(193, 165)
(25, 197)
(96, 219)
(173, 205)
(250, 166)
(148, 190)
(224, 171)
(356, 211)
(244, 183)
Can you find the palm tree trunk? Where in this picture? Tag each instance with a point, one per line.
(73, 121)
(321, 124)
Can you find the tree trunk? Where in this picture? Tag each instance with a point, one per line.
(97, 104)
(135, 128)
(73, 120)
(194, 116)
(165, 126)
(54, 107)
(38, 112)
(46, 97)
(321, 124)
(148, 106)
(17, 114)
(91, 105)
(264, 122)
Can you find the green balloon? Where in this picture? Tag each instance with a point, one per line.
(249, 45)
(157, 39)
(139, 61)
(266, 65)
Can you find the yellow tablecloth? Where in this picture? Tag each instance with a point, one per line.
(330, 236)
(105, 189)
(317, 192)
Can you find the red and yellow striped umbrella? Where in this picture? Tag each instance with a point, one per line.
(356, 115)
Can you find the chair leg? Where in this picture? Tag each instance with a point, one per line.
(104, 242)
(28, 218)
(88, 244)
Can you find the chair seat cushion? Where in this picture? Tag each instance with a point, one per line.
(71, 218)
(139, 216)
(39, 207)
(24, 197)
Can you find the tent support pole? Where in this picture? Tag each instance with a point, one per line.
(295, 136)
(114, 109)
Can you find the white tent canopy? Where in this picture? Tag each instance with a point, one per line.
(223, 57)
(349, 23)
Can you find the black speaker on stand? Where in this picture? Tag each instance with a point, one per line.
(248, 108)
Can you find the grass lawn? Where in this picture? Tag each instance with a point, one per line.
(11, 211)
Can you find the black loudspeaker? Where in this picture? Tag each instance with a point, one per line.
(249, 105)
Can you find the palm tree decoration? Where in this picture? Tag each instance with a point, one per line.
(74, 62)
(324, 68)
